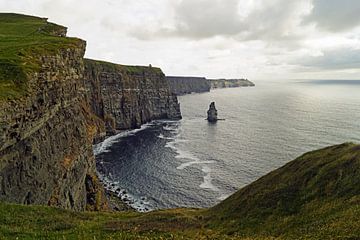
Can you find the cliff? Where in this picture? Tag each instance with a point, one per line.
(45, 147)
(230, 83)
(186, 85)
(316, 196)
(54, 105)
(126, 97)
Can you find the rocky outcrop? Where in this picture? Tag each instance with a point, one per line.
(186, 85)
(126, 97)
(45, 142)
(212, 113)
(230, 83)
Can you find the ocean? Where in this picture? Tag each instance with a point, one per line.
(193, 163)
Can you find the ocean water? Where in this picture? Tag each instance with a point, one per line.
(192, 163)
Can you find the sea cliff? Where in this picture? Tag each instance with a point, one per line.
(230, 83)
(54, 104)
(186, 85)
(125, 97)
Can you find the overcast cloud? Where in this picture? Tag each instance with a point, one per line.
(257, 39)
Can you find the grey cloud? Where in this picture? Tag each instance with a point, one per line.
(201, 19)
(335, 15)
(204, 18)
(336, 59)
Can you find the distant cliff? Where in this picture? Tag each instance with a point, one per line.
(230, 83)
(52, 107)
(186, 85)
(126, 97)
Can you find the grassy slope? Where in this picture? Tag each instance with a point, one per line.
(316, 196)
(22, 39)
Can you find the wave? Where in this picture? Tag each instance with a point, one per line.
(108, 142)
(223, 197)
(140, 204)
(188, 164)
(166, 138)
(207, 184)
(173, 128)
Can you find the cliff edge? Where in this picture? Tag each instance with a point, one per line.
(187, 85)
(45, 148)
(54, 105)
(125, 97)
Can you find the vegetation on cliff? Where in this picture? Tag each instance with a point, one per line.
(316, 196)
(22, 40)
(118, 67)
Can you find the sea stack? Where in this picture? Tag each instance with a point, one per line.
(212, 113)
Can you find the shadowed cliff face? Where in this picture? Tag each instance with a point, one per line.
(45, 143)
(126, 97)
(186, 85)
(45, 153)
(50, 114)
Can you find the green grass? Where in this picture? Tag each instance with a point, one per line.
(118, 67)
(22, 40)
(316, 196)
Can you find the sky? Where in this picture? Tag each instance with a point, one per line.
(254, 39)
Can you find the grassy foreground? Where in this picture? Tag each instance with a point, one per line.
(316, 196)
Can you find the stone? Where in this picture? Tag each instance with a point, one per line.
(185, 85)
(46, 135)
(125, 97)
(212, 113)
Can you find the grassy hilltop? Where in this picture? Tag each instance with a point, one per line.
(22, 40)
(316, 196)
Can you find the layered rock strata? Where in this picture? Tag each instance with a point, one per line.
(52, 107)
(186, 85)
(45, 147)
(125, 97)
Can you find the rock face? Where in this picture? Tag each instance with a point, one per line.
(186, 85)
(45, 148)
(212, 113)
(126, 97)
(230, 83)
(52, 107)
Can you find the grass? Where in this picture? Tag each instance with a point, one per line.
(22, 40)
(316, 196)
(118, 67)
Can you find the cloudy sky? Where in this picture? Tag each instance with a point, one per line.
(256, 39)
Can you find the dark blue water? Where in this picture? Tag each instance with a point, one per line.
(191, 163)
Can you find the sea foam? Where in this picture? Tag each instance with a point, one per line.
(108, 142)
